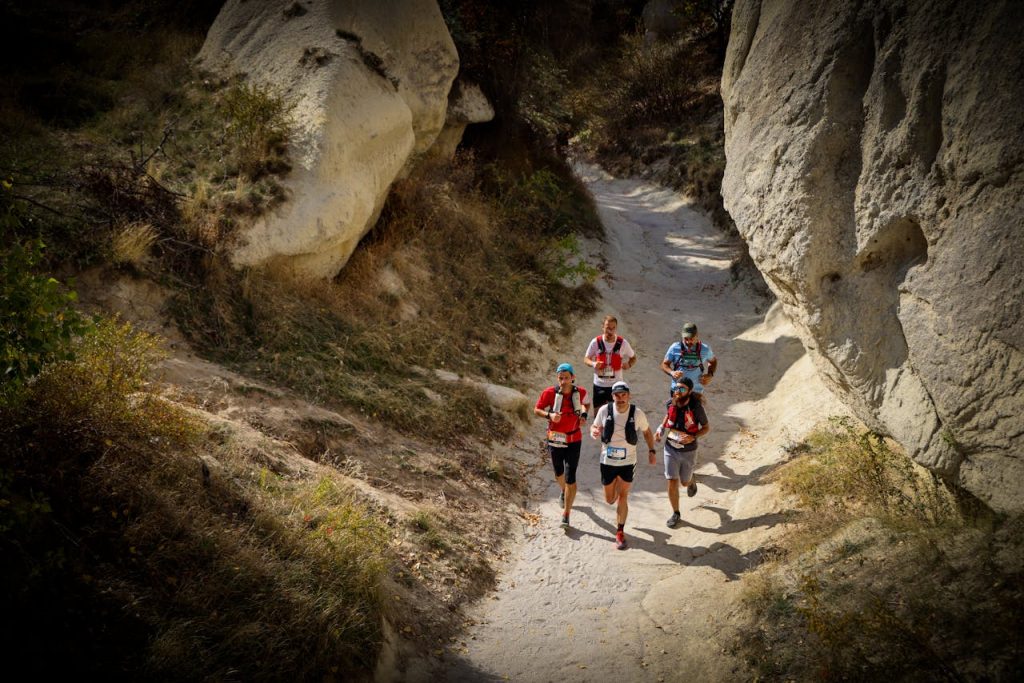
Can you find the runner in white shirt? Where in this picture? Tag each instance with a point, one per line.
(618, 425)
(609, 354)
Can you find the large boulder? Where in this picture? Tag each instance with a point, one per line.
(875, 154)
(466, 104)
(370, 79)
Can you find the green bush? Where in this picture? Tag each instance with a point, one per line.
(259, 123)
(38, 321)
(100, 399)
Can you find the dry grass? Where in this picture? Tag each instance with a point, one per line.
(138, 540)
(143, 542)
(885, 573)
(132, 244)
(443, 281)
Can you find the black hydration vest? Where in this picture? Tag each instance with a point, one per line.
(609, 425)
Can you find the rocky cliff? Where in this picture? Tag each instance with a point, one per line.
(370, 79)
(875, 153)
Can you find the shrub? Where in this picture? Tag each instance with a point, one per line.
(846, 470)
(101, 397)
(882, 575)
(259, 123)
(37, 318)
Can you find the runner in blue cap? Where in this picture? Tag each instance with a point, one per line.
(564, 406)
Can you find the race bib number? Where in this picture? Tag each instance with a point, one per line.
(676, 437)
(607, 371)
(615, 453)
(558, 439)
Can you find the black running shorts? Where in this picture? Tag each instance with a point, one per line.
(602, 395)
(623, 472)
(565, 460)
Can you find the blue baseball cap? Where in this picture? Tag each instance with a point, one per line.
(565, 367)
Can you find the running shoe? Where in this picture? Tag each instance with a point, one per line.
(561, 498)
(620, 540)
(691, 490)
(565, 521)
(673, 520)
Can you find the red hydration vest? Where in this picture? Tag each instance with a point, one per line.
(614, 359)
(572, 415)
(682, 420)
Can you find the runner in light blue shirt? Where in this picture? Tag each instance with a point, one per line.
(689, 357)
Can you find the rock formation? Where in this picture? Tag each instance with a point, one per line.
(466, 104)
(875, 154)
(370, 79)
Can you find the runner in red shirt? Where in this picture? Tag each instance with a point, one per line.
(564, 406)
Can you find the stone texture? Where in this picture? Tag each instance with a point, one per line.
(370, 79)
(874, 165)
(466, 104)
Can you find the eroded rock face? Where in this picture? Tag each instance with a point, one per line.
(371, 81)
(466, 104)
(874, 165)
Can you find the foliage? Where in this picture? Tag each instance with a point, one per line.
(565, 262)
(846, 470)
(882, 573)
(713, 18)
(103, 505)
(542, 105)
(354, 342)
(101, 396)
(258, 125)
(37, 317)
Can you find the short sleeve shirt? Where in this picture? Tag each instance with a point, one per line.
(626, 351)
(618, 440)
(701, 418)
(690, 369)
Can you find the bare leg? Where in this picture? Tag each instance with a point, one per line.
(623, 508)
(611, 492)
(673, 494)
(570, 496)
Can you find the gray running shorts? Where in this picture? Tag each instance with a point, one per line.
(679, 464)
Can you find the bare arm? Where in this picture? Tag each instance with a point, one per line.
(649, 438)
(666, 367)
(706, 377)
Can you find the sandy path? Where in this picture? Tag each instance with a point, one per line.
(571, 606)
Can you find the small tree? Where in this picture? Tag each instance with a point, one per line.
(716, 18)
(37, 317)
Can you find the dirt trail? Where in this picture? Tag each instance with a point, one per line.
(571, 606)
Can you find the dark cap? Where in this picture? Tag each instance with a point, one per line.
(689, 330)
(620, 388)
(687, 382)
